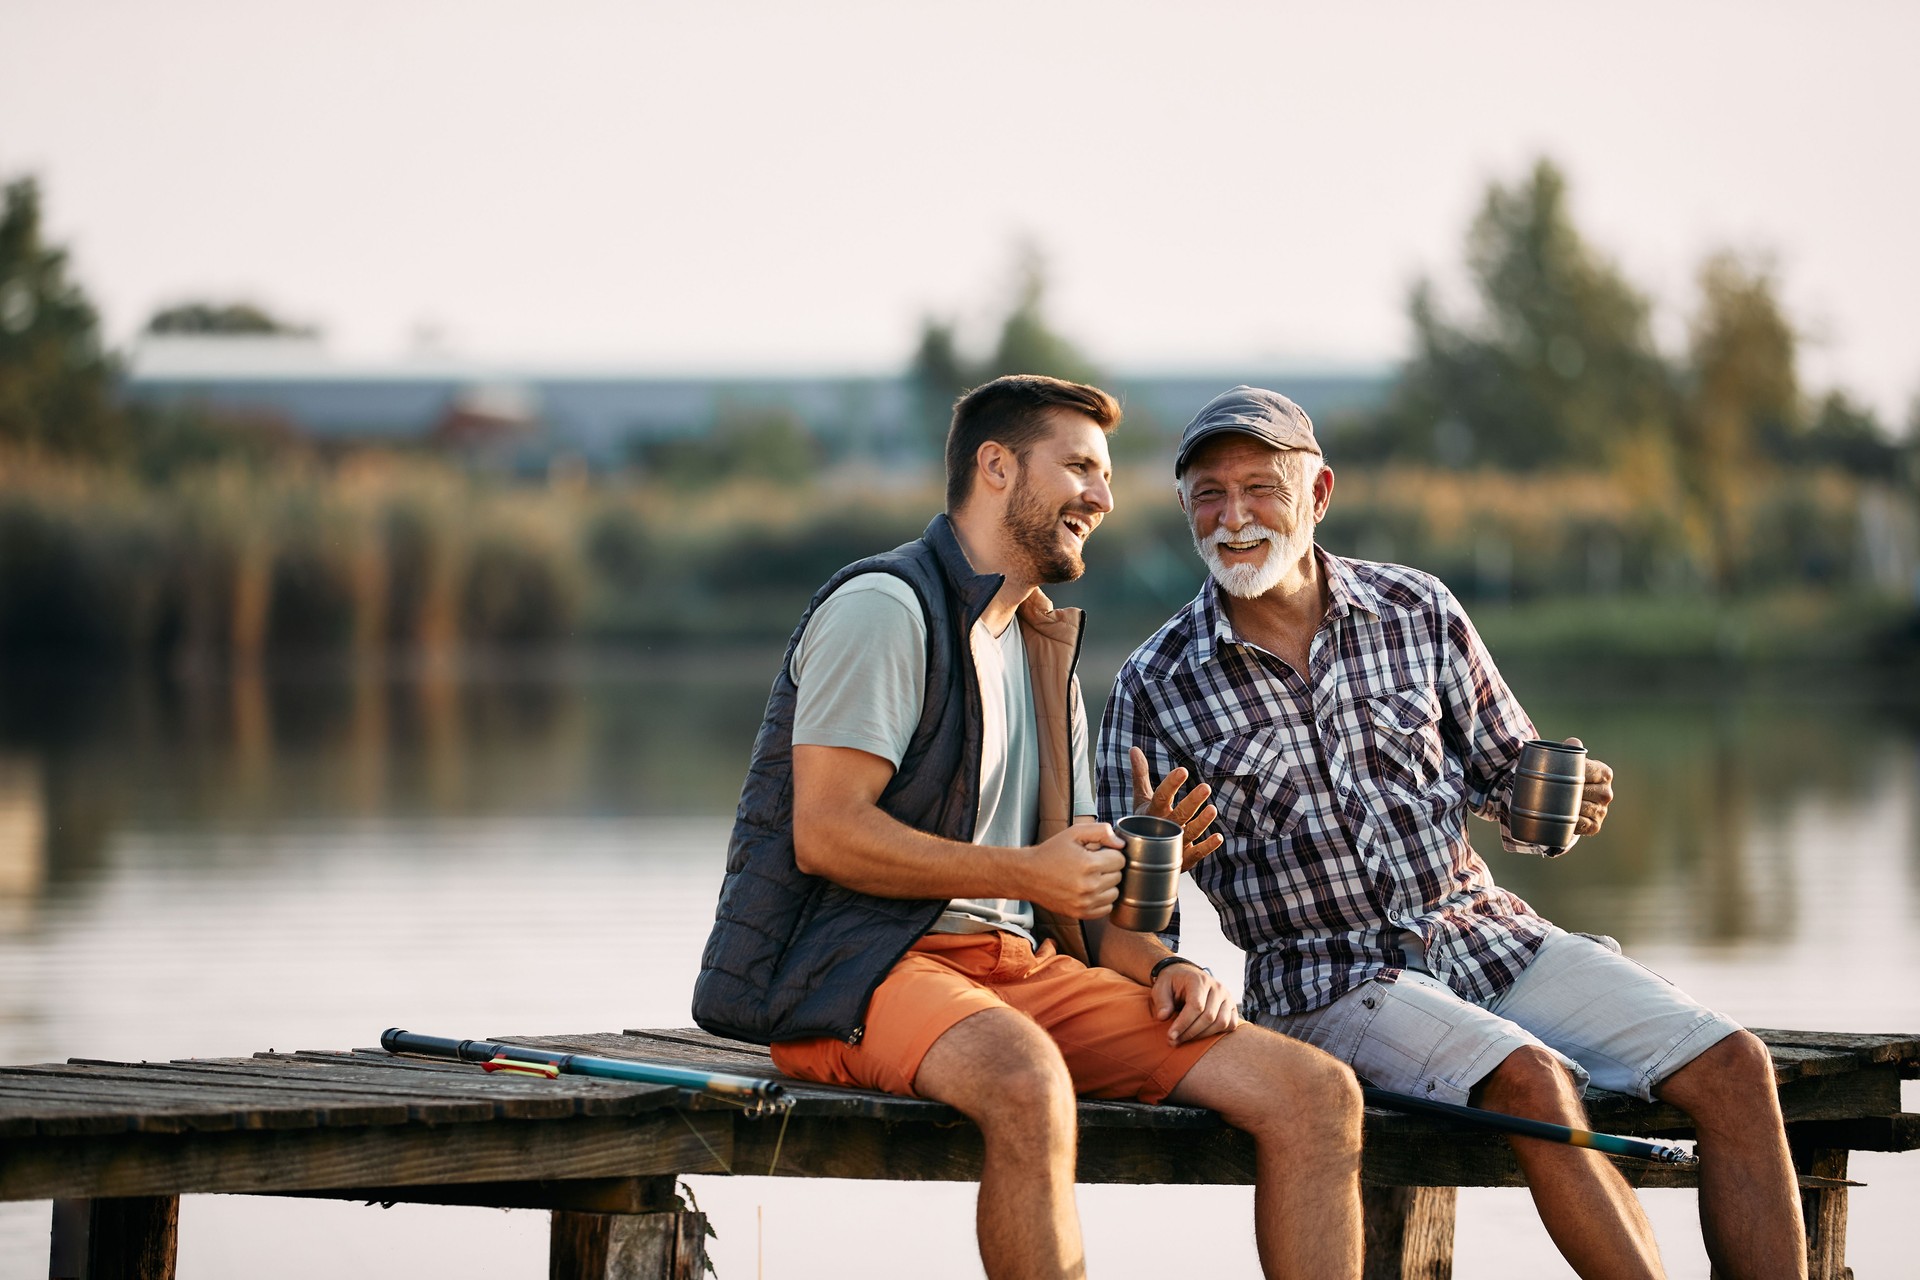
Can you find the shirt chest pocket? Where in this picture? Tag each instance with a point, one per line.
(1253, 784)
(1400, 738)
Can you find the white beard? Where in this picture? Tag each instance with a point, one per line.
(1251, 581)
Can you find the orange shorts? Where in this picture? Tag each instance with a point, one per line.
(1113, 1045)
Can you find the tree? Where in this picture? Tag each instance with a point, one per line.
(1742, 389)
(763, 442)
(940, 373)
(1556, 368)
(1849, 436)
(222, 318)
(56, 380)
(1028, 343)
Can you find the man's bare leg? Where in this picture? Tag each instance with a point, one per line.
(1303, 1110)
(1592, 1214)
(1000, 1070)
(1749, 1197)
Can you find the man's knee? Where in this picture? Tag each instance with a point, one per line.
(999, 1067)
(1261, 1081)
(1530, 1081)
(1737, 1072)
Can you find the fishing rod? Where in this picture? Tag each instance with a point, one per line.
(761, 1093)
(1607, 1143)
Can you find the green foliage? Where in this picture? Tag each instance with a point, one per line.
(1027, 343)
(1741, 388)
(1553, 369)
(223, 318)
(517, 593)
(938, 375)
(1846, 435)
(56, 381)
(746, 441)
(172, 441)
(81, 573)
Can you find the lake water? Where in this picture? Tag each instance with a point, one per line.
(209, 868)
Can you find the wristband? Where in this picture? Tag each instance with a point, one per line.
(1167, 961)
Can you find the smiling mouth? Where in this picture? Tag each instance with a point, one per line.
(1080, 527)
(1255, 545)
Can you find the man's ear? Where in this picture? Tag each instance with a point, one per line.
(1322, 493)
(997, 465)
(1180, 492)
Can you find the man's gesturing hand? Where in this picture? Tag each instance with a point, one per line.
(1596, 794)
(1193, 813)
(1203, 1005)
(1077, 872)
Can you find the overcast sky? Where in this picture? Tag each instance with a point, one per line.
(793, 185)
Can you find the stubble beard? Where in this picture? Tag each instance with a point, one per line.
(1251, 581)
(1036, 532)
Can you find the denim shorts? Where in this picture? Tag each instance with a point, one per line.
(1615, 1024)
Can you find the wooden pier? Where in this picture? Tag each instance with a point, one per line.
(115, 1145)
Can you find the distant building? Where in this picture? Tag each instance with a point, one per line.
(498, 413)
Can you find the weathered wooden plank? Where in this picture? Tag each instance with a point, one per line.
(838, 1147)
(56, 1111)
(81, 1117)
(1868, 1047)
(1408, 1232)
(213, 1105)
(590, 1096)
(511, 1100)
(302, 1159)
(1899, 1132)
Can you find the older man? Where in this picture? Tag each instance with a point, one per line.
(1348, 718)
(916, 851)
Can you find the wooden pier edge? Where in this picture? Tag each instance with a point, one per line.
(114, 1145)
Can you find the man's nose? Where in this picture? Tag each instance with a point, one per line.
(1100, 495)
(1236, 511)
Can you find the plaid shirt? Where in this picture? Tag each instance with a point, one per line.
(1343, 797)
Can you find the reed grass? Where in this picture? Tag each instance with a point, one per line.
(379, 554)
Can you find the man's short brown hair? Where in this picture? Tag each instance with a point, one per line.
(1013, 411)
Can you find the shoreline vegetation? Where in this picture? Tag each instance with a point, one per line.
(1594, 498)
(379, 557)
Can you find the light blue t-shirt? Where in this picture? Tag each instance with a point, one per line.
(861, 667)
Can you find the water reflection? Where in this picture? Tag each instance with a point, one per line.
(1692, 852)
(210, 867)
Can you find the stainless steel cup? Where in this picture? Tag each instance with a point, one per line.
(1546, 793)
(1151, 883)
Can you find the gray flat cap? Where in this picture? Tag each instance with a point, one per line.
(1248, 411)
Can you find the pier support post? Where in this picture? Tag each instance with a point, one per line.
(1824, 1209)
(670, 1244)
(1409, 1232)
(124, 1238)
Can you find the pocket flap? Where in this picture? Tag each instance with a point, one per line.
(1407, 710)
(1240, 755)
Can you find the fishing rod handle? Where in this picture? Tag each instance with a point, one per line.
(395, 1040)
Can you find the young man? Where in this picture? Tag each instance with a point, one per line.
(1347, 717)
(916, 849)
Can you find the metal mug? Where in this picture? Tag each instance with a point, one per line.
(1546, 793)
(1151, 883)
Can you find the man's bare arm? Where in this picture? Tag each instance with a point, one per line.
(1189, 999)
(841, 834)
